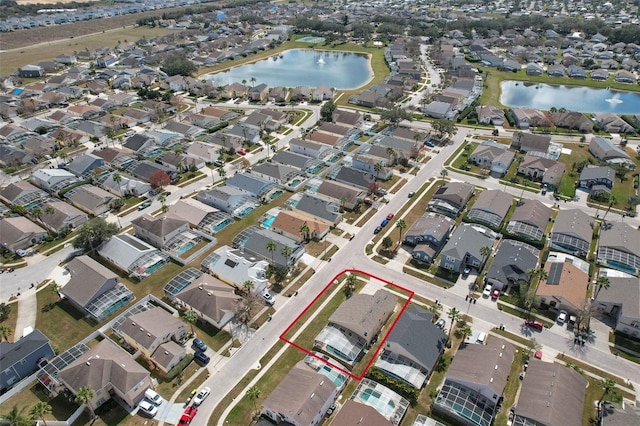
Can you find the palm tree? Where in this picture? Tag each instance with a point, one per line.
(351, 284)
(84, 396)
(247, 286)
(304, 230)
(37, 213)
(444, 173)
(222, 172)
(608, 385)
(191, 317)
(117, 178)
(378, 168)
(271, 248)
(49, 210)
(286, 252)
(15, 417)
(601, 282)
(5, 331)
(485, 251)
(454, 315)
(401, 225)
(392, 153)
(253, 81)
(253, 393)
(39, 410)
(465, 332)
(417, 137)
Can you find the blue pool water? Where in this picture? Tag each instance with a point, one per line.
(276, 194)
(185, 248)
(220, 226)
(245, 212)
(268, 222)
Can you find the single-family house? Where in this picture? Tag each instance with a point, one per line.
(236, 267)
(258, 241)
(428, 234)
(21, 193)
(348, 196)
(413, 347)
(53, 180)
(619, 247)
(258, 93)
(624, 76)
(309, 148)
(529, 220)
(493, 156)
(353, 413)
(620, 301)
(91, 199)
(489, 114)
(605, 151)
(491, 208)
(302, 398)
(23, 357)
(354, 325)
(109, 371)
(542, 169)
(565, 288)
(322, 93)
(528, 142)
(214, 301)
(132, 255)
(93, 289)
(464, 248)
(159, 231)
(511, 263)
(475, 382)
(451, 198)
(595, 176)
(551, 394)
(572, 232)
(156, 333)
(300, 226)
(528, 117)
(572, 120)
(320, 207)
(612, 123)
(347, 118)
(60, 217)
(83, 165)
(19, 233)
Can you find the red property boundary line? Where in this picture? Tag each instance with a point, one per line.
(380, 345)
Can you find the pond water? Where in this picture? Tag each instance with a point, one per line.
(300, 67)
(573, 98)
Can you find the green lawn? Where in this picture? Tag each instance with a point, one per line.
(11, 321)
(28, 397)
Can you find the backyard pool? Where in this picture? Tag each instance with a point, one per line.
(375, 399)
(268, 222)
(185, 247)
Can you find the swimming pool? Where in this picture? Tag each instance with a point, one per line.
(268, 222)
(185, 247)
(332, 374)
(220, 226)
(245, 212)
(276, 194)
(375, 399)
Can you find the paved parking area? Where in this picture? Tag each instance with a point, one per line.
(169, 412)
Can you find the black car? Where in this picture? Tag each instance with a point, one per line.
(201, 358)
(378, 229)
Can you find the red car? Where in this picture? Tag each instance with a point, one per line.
(241, 151)
(390, 216)
(188, 415)
(495, 294)
(534, 324)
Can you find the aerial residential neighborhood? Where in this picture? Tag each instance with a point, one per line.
(385, 213)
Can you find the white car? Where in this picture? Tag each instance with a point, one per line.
(562, 317)
(487, 291)
(268, 298)
(148, 408)
(201, 395)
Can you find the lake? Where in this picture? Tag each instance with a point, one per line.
(299, 67)
(572, 98)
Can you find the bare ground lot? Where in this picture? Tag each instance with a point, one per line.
(33, 36)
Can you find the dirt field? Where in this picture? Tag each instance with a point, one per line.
(15, 59)
(23, 38)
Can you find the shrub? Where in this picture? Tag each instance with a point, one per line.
(179, 367)
(403, 389)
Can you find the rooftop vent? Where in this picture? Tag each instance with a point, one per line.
(312, 395)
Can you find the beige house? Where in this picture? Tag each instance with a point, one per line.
(158, 231)
(290, 222)
(108, 370)
(19, 233)
(213, 300)
(564, 289)
(301, 399)
(156, 334)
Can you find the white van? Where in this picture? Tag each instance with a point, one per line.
(482, 338)
(153, 396)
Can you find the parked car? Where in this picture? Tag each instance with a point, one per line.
(144, 205)
(466, 271)
(153, 397)
(148, 408)
(390, 216)
(368, 201)
(487, 290)
(429, 144)
(188, 415)
(384, 223)
(562, 317)
(441, 323)
(218, 163)
(199, 345)
(201, 396)
(377, 230)
(495, 294)
(411, 194)
(241, 151)
(268, 298)
(201, 357)
(534, 324)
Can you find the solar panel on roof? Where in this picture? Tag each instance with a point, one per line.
(554, 274)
